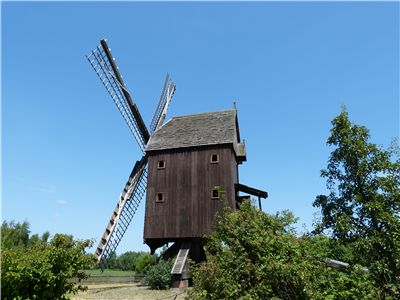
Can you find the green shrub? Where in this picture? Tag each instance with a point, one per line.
(127, 261)
(253, 255)
(44, 270)
(158, 276)
(143, 261)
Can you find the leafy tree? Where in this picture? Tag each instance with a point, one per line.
(144, 261)
(41, 270)
(130, 261)
(14, 234)
(17, 235)
(112, 261)
(33, 240)
(158, 276)
(45, 237)
(127, 261)
(352, 282)
(253, 255)
(362, 208)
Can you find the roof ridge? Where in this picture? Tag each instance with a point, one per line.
(204, 113)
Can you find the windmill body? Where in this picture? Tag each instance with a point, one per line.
(192, 171)
(188, 171)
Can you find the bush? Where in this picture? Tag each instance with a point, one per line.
(127, 261)
(253, 255)
(158, 276)
(43, 270)
(144, 261)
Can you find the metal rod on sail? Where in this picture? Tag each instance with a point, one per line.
(166, 94)
(170, 92)
(132, 105)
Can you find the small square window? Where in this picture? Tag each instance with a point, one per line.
(161, 164)
(214, 158)
(160, 197)
(215, 194)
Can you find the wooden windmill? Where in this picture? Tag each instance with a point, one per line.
(188, 171)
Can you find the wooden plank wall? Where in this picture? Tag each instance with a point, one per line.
(187, 181)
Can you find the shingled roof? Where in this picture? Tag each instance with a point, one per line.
(196, 130)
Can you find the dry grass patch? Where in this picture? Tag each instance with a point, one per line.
(128, 291)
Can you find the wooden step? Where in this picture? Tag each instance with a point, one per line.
(180, 262)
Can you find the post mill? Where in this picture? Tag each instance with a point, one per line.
(188, 172)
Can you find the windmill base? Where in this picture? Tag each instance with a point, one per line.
(179, 283)
(195, 246)
(183, 250)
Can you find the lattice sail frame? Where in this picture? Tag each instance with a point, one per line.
(126, 207)
(166, 95)
(135, 187)
(102, 66)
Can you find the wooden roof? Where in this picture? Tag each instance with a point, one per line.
(212, 128)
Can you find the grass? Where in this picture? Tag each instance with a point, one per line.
(109, 272)
(123, 290)
(127, 291)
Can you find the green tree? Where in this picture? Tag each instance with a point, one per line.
(17, 235)
(14, 234)
(144, 261)
(159, 276)
(127, 261)
(248, 258)
(112, 261)
(253, 255)
(348, 283)
(45, 237)
(42, 270)
(362, 208)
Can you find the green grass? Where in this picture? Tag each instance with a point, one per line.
(109, 272)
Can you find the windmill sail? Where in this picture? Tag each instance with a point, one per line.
(103, 63)
(124, 211)
(105, 67)
(161, 110)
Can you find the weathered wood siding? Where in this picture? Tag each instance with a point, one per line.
(187, 181)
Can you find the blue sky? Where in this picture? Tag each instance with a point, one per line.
(66, 151)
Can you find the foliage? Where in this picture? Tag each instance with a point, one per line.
(158, 276)
(17, 235)
(127, 261)
(253, 255)
(352, 282)
(40, 270)
(93, 265)
(362, 209)
(130, 261)
(144, 261)
(14, 235)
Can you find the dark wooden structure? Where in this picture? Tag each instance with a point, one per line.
(188, 170)
(192, 175)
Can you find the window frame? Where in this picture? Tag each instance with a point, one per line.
(218, 194)
(158, 164)
(214, 161)
(162, 196)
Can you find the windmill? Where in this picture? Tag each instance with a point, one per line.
(188, 171)
(106, 69)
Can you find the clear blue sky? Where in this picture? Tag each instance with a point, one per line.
(66, 151)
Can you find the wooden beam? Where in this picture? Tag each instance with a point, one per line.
(249, 190)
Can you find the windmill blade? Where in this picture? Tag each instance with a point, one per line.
(161, 110)
(106, 69)
(125, 209)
